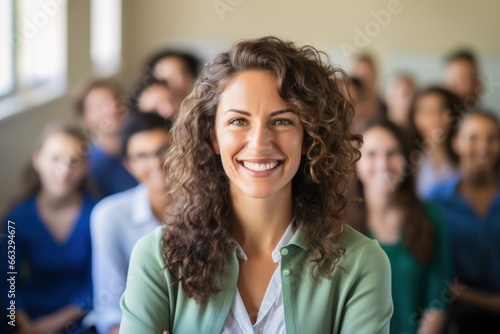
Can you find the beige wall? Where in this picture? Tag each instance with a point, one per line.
(420, 26)
(19, 132)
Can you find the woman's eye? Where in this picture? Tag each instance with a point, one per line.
(238, 122)
(282, 122)
(75, 161)
(369, 154)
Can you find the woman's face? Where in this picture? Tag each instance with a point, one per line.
(432, 118)
(477, 144)
(462, 79)
(61, 164)
(257, 135)
(146, 152)
(102, 111)
(366, 73)
(174, 71)
(160, 99)
(381, 166)
(400, 96)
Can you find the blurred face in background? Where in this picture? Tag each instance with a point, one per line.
(61, 164)
(399, 99)
(382, 163)
(477, 144)
(102, 111)
(462, 78)
(175, 72)
(432, 117)
(160, 99)
(364, 70)
(146, 152)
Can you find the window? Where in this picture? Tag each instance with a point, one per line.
(6, 49)
(42, 47)
(33, 45)
(106, 36)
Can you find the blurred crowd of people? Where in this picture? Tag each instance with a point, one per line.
(428, 178)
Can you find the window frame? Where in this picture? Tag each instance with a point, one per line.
(13, 52)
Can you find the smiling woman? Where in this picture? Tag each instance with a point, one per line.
(260, 148)
(256, 240)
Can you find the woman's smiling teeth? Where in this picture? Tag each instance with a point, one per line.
(260, 167)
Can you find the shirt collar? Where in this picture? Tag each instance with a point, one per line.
(142, 212)
(276, 254)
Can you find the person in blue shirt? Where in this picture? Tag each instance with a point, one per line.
(50, 255)
(471, 203)
(433, 119)
(118, 221)
(101, 112)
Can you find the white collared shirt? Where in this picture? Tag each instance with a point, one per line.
(271, 316)
(117, 223)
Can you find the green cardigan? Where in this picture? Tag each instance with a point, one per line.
(417, 287)
(356, 300)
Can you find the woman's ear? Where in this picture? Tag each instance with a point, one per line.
(215, 142)
(35, 160)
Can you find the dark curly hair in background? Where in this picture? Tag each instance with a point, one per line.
(198, 237)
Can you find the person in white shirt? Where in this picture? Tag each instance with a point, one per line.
(118, 221)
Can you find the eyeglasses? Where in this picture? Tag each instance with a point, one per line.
(143, 157)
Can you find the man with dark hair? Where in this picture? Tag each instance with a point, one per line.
(118, 221)
(179, 69)
(151, 95)
(461, 77)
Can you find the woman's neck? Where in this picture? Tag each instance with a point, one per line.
(399, 117)
(436, 151)
(52, 202)
(375, 201)
(259, 223)
(110, 144)
(382, 218)
(478, 180)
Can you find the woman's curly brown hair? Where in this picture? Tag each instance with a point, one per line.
(197, 240)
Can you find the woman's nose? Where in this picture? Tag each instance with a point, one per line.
(260, 139)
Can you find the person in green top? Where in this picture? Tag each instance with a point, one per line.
(411, 233)
(255, 238)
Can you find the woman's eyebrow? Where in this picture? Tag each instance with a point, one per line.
(279, 112)
(274, 113)
(246, 113)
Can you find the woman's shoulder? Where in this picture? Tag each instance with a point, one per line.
(355, 240)
(434, 212)
(148, 248)
(444, 190)
(359, 248)
(89, 200)
(21, 209)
